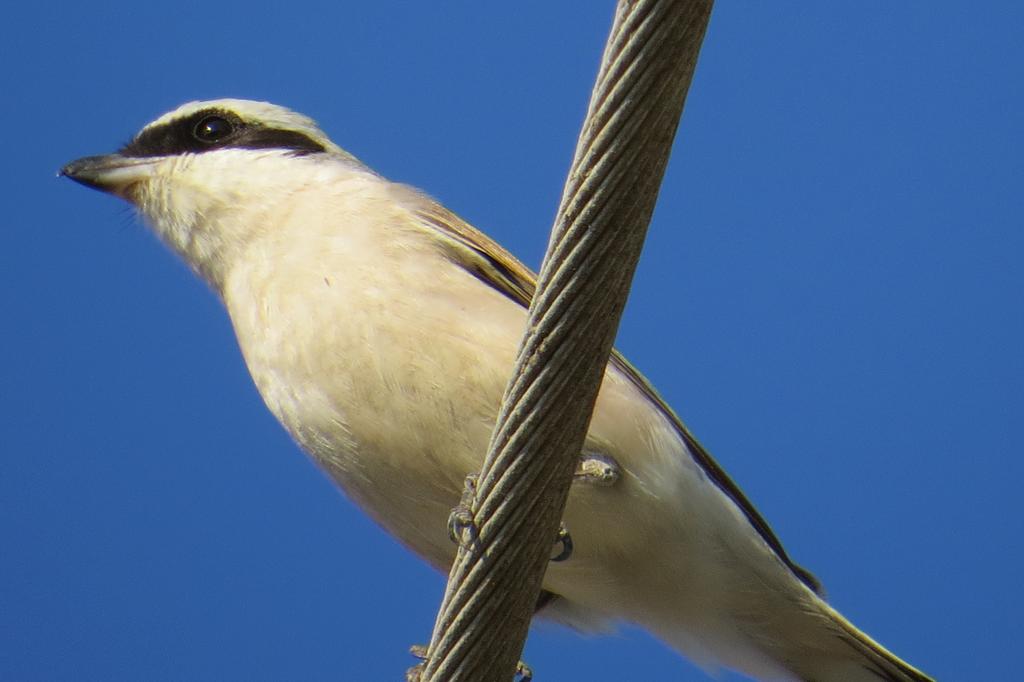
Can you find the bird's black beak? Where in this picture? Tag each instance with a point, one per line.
(111, 173)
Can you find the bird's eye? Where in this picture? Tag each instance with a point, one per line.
(211, 129)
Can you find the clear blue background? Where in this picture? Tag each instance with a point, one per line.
(831, 296)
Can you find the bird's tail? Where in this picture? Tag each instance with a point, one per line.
(801, 639)
(870, 657)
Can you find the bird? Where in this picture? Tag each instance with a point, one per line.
(380, 330)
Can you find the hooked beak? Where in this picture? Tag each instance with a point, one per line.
(112, 173)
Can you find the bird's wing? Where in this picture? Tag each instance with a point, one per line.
(484, 258)
(488, 261)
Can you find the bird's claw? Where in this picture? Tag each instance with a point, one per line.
(596, 469)
(565, 540)
(414, 673)
(523, 672)
(461, 525)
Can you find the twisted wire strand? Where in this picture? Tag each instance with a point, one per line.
(595, 244)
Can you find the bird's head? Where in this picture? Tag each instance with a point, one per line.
(203, 174)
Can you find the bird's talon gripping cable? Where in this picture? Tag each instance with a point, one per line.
(523, 672)
(596, 469)
(414, 673)
(461, 525)
(565, 540)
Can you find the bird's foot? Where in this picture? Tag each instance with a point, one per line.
(414, 673)
(592, 469)
(461, 525)
(596, 469)
(565, 540)
(523, 672)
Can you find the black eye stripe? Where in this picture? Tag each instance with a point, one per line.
(180, 137)
(258, 137)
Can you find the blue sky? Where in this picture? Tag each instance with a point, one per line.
(831, 297)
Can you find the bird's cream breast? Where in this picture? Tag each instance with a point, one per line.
(384, 361)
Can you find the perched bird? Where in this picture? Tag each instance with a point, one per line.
(381, 329)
